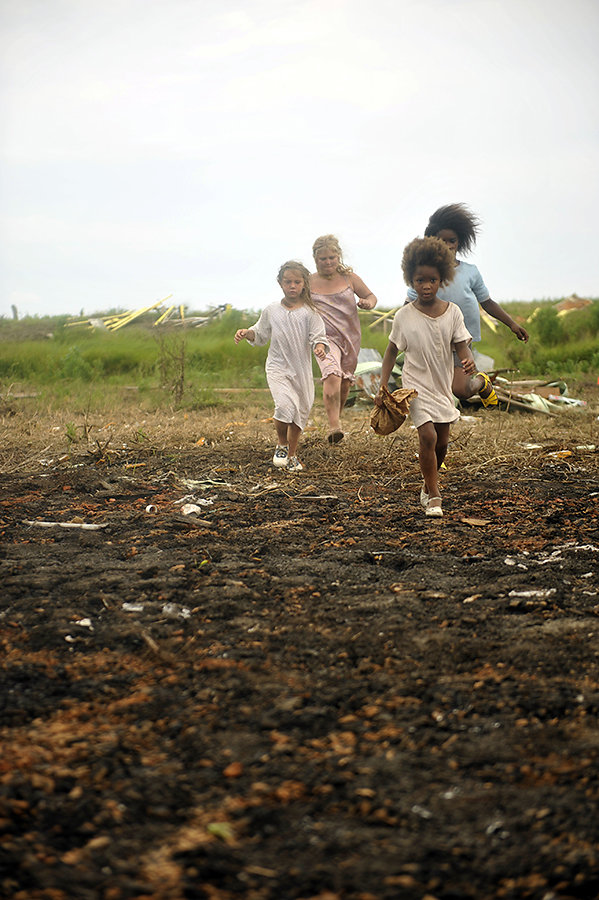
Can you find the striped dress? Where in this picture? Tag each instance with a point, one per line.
(293, 334)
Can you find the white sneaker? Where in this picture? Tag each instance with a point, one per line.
(294, 465)
(281, 457)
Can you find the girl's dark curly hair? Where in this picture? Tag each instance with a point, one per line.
(459, 218)
(427, 251)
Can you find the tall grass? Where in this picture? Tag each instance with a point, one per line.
(87, 365)
(565, 345)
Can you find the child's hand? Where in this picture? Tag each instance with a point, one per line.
(367, 303)
(469, 366)
(240, 335)
(521, 333)
(319, 351)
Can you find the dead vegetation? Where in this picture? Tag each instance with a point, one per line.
(303, 688)
(34, 439)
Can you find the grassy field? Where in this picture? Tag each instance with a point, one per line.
(190, 367)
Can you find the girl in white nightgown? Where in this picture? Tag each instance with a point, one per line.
(294, 329)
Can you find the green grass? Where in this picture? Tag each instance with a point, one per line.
(567, 345)
(187, 367)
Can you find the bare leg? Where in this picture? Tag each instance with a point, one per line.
(293, 436)
(442, 430)
(344, 391)
(282, 431)
(331, 395)
(427, 457)
(433, 440)
(465, 386)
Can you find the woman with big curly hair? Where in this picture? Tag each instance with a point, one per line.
(334, 288)
(458, 227)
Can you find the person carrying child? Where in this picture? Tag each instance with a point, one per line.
(429, 330)
(294, 328)
(458, 227)
(334, 288)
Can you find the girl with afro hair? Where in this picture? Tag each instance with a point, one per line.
(429, 330)
(458, 227)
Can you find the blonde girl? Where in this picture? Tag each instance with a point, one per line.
(334, 287)
(294, 329)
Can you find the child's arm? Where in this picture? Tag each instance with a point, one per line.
(462, 348)
(386, 369)
(244, 334)
(367, 299)
(495, 310)
(318, 335)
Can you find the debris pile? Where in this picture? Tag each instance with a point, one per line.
(171, 315)
(545, 397)
(533, 395)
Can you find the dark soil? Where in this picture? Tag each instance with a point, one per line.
(305, 690)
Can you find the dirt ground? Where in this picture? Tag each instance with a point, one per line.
(305, 689)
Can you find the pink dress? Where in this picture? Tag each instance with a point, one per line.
(342, 324)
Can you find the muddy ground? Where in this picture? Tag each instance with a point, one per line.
(306, 689)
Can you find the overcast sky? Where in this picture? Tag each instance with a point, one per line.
(189, 147)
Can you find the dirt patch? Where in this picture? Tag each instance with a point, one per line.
(307, 689)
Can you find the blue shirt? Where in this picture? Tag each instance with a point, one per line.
(466, 290)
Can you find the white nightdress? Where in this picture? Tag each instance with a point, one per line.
(428, 366)
(293, 334)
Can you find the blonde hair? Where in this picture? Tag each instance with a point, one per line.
(330, 242)
(305, 296)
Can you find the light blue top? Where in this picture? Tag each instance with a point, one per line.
(466, 290)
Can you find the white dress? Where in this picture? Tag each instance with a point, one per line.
(293, 334)
(428, 366)
(466, 289)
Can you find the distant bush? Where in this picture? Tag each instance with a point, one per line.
(571, 356)
(547, 327)
(74, 365)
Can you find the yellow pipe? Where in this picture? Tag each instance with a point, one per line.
(164, 315)
(492, 323)
(385, 315)
(136, 313)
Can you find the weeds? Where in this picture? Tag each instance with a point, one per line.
(171, 363)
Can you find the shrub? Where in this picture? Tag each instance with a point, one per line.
(73, 365)
(548, 326)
